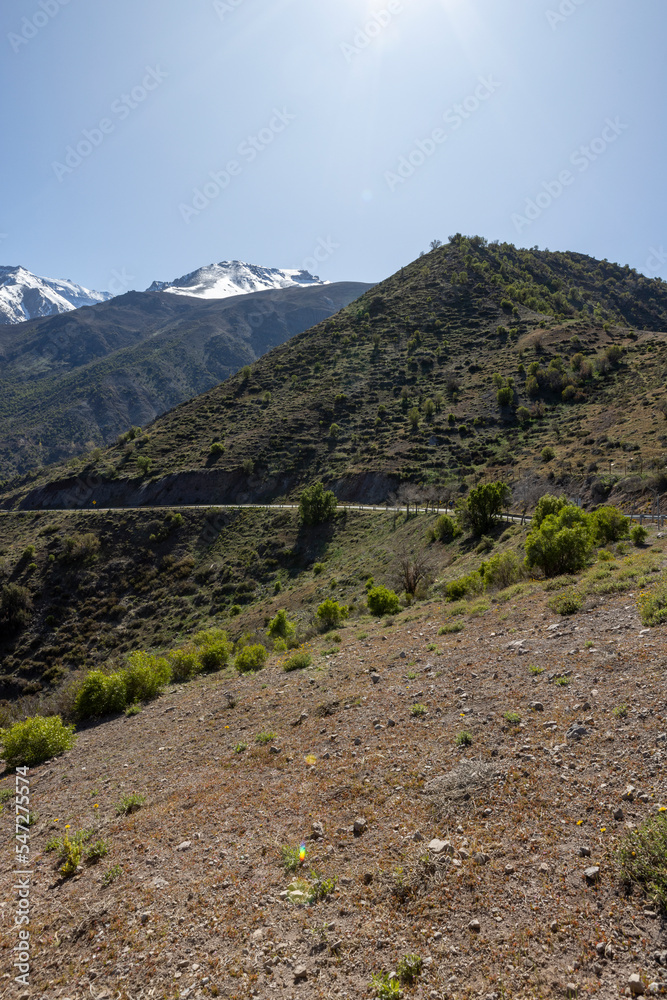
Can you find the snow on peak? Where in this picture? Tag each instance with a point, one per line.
(24, 295)
(234, 277)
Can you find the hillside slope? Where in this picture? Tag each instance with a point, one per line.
(75, 381)
(464, 365)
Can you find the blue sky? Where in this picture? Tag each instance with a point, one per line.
(144, 138)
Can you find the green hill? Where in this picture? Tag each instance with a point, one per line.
(76, 381)
(466, 364)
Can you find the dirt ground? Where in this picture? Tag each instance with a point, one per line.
(503, 909)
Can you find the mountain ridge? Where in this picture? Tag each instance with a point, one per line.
(25, 296)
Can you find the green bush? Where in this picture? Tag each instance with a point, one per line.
(547, 454)
(185, 663)
(317, 505)
(15, 607)
(463, 739)
(214, 649)
(638, 534)
(561, 544)
(608, 524)
(409, 968)
(653, 604)
(331, 613)
(642, 858)
(567, 603)
(473, 583)
(451, 628)
(297, 661)
(100, 694)
(81, 548)
(281, 627)
(145, 676)
(445, 528)
(251, 658)
(501, 570)
(547, 504)
(382, 601)
(28, 743)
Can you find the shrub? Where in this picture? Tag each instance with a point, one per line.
(473, 583)
(653, 604)
(547, 504)
(331, 613)
(445, 528)
(642, 858)
(217, 448)
(409, 968)
(35, 740)
(567, 603)
(638, 534)
(620, 712)
(451, 627)
(80, 548)
(214, 649)
(185, 663)
(145, 676)
(384, 988)
(382, 601)
(297, 661)
(251, 658)
(15, 607)
(290, 858)
(512, 717)
(484, 504)
(418, 709)
(463, 739)
(264, 738)
(547, 454)
(561, 544)
(608, 524)
(129, 804)
(280, 626)
(318, 567)
(501, 570)
(317, 505)
(100, 694)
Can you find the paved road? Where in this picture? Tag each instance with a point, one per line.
(510, 518)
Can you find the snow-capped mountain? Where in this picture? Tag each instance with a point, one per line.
(24, 296)
(234, 277)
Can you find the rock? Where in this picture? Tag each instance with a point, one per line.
(184, 846)
(576, 731)
(592, 874)
(145, 917)
(474, 926)
(629, 793)
(418, 835)
(584, 852)
(402, 655)
(635, 985)
(487, 812)
(375, 678)
(360, 826)
(367, 878)
(553, 926)
(440, 847)
(274, 749)
(618, 814)
(509, 869)
(300, 973)
(302, 717)
(463, 854)
(599, 947)
(537, 706)
(318, 830)
(258, 934)
(481, 859)
(544, 868)
(357, 741)
(391, 722)
(609, 951)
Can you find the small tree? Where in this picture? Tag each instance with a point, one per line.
(331, 613)
(445, 528)
(317, 505)
(382, 601)
(281, 627)
(484, 504)
(561, 544)
(608, 524)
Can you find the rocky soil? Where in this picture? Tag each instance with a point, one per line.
(492, 861)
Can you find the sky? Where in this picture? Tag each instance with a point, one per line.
(146, 138)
